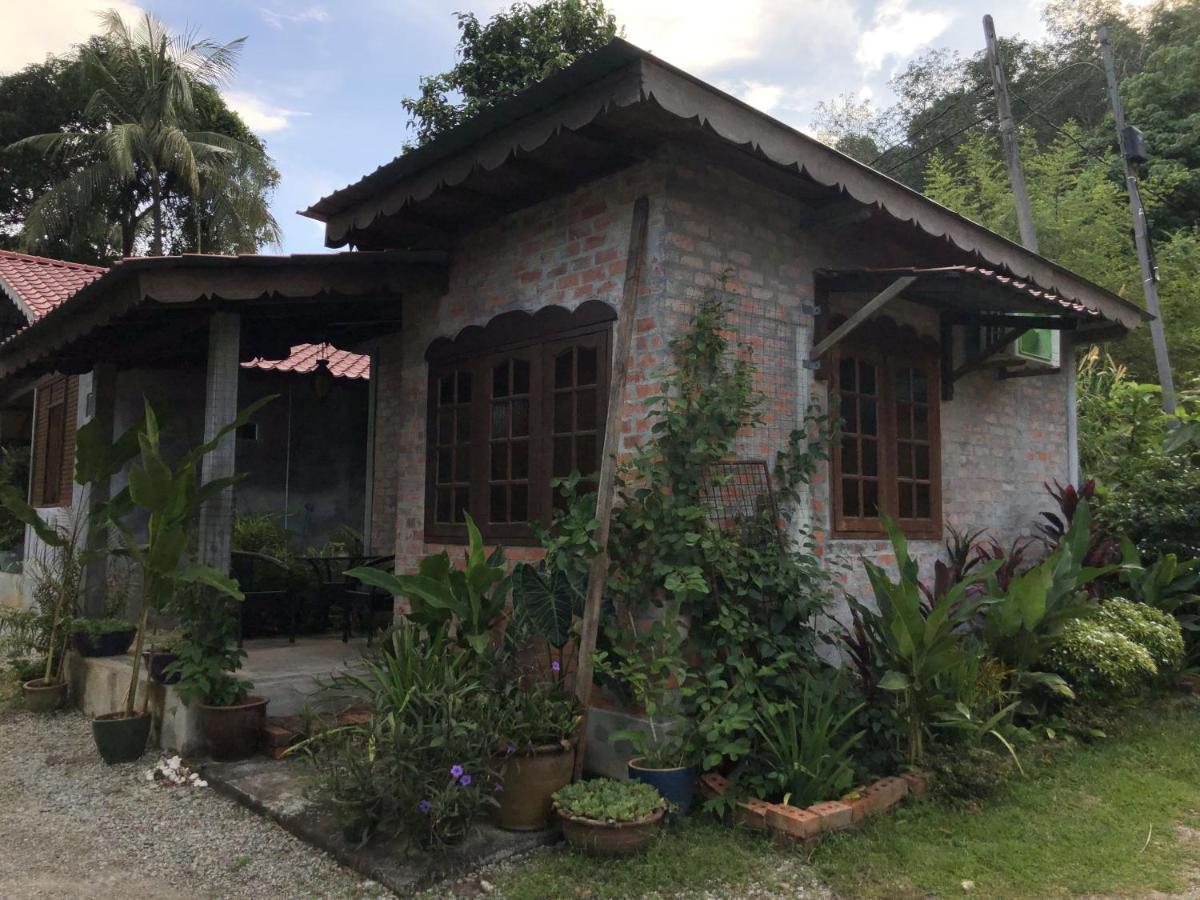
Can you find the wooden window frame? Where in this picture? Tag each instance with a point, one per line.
(890, 348)
(537, 339)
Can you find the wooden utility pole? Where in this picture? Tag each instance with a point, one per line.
(1141, 234)
(598, 571)
(1008, 138)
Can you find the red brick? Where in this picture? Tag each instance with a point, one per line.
(918, 784)
(713, 785)
(792, 822)
(752, 814)
(834, 815)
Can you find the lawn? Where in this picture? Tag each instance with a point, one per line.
(1113, 817)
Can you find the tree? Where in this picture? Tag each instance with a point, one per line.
(515, 49)
(140, 152)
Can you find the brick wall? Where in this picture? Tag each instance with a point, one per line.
(1001, 439)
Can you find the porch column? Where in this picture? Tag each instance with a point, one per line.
(220, 408)
(99, 406)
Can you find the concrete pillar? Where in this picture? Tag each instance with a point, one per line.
(98, 404)
(369, 493)
(220, 408)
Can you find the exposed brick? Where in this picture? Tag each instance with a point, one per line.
(795, 823)
(834, 815)
(918, 784)
(752, 814)
(713, 785)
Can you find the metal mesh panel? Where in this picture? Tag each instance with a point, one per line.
(737, 491)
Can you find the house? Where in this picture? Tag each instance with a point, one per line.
(485, 277)
(303, 454)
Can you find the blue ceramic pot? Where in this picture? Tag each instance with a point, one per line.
(676, 785)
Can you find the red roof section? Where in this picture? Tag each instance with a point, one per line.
(38, 284)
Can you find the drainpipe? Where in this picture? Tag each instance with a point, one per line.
(1066, 355)
(369, 492)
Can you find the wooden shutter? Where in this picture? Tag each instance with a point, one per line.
(54, 442)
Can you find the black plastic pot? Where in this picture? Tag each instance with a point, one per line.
(120, 739)
(111, 643)
(234, 732)
(156, 664)
(676, 785)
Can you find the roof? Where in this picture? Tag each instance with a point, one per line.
(626, 92)
(37, 284)
(304, 358)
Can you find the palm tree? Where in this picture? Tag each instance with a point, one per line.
(141, 82)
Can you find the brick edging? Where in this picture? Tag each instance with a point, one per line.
(791, 823)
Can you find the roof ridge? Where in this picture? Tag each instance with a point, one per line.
(50, 261)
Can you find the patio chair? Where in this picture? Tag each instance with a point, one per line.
(265, 581)
(354, 599)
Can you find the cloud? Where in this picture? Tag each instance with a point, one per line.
(260, 116)
(278, 19)
(29, 31)
(699, 36)
(898, 31)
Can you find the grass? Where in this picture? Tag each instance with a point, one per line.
(1109, 818)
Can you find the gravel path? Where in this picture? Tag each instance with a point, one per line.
(72, 827)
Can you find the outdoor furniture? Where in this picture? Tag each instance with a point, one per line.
(354, 599)
(265, 582)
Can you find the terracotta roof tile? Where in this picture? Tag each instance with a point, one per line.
(304, 357)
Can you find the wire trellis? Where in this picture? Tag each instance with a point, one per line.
(736, 492)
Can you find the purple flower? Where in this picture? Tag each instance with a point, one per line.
(556, 666)
(510, 750)
(425, 806)
(465, 780)
(498, 787)
(456, 770)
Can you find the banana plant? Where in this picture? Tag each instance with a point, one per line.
(469, 601)
(1166, 584)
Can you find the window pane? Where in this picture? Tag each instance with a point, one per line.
(903, 420)
(921, 455)
(498, 509)
(519, 498)
(499, 466)
(870, 458)
(563, 366)
(849, 415)
(446, 389)
(464, 387)
(520, 374)
(519, 459)
(460, 504)
(462, 463)
(866, 378)
(444, 496)
(562, 412)
(869, 424)
(920, 386)
(921, 423)
(585, 405)
(587, 453)
(871, 499)
(924, 507)
(499, 420)
(850, 505)
(444, 472)
(464, 426)
(906, 503)
(903, 386)
(445, 429)
(500, 380)
(846, 375)
(904, 466)
(520, 418)
(850, 456)
(587, 365)
(562, 457)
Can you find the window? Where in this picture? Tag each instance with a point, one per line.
(886, 382)
(54, 443)
(512, 407)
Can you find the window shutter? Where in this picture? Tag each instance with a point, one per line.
(54, 442)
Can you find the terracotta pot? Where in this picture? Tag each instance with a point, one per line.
(121, 739)
(43, 696)
(529, 780)
(598, 838)
(234, 732)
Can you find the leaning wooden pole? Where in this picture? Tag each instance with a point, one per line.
(598, 572)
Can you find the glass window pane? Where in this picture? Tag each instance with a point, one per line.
(498, 508)
(849, 413)
(500, 380)
(520, 418)
(499, 420)
(924, 505)
(444, 496)
(870, 458)
(520, 376)
(921, 423)
(562, 412)
(850, 456)
(904, 466)
(921, 456)
(906, 501)
(869, 424)
(464, 387)
(444, 472)
(562, 457)
(903, 386)
(460, 504)
(446, 389)
(588, 368)
(519, 500)
(445, 427)
(587, 453)
(519, 456)
(866, 378)
(903, 420)
(585, 405)
(846, 375)
(871, 499)
(850, 505)
(462, 463)
(499, 467)
(464, 425)
(920, 383)
(563, 366)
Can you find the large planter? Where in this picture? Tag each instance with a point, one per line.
(111, 643)
(598, 838)
(43, 696)
(528, 781)
(121, 739)
(234, 732)
(676, 785)
(156, 664)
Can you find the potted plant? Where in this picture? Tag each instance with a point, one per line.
(159, 656)
(102, 637)
(167, 498)
(603, 817)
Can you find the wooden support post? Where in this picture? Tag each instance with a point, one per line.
(979, 357)
(873, 306)
(598, 572)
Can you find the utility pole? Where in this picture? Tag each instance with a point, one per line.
(1141, 235)
(1008, 138)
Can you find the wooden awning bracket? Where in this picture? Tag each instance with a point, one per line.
(861, 315)
(980, 357)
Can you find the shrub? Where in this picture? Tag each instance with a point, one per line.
(1099, 660)
(1158, 632)
(606, 800)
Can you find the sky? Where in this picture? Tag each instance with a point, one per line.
(321, 80)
